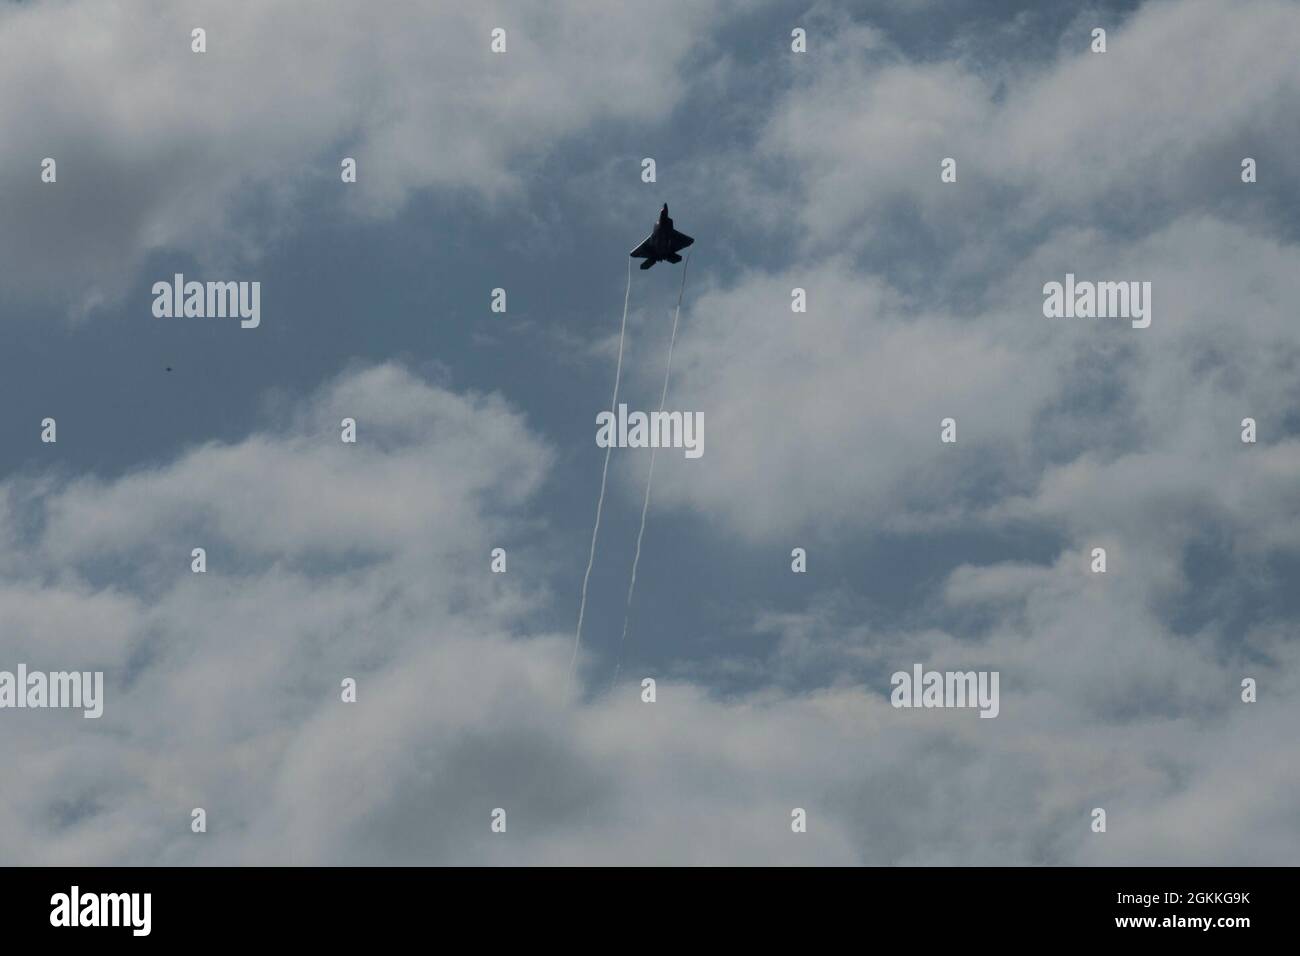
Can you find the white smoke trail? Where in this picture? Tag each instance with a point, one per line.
(600, 501)
(650, 475)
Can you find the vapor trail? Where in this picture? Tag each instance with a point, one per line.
(600, 501)
(650, 476)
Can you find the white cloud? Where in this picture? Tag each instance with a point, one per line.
(841, 404)
(223, 688)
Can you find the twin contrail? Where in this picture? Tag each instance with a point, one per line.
(645, 504)
(600, 502)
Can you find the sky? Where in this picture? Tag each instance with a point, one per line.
(522, 170)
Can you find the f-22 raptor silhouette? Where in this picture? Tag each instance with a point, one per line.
(663, 244)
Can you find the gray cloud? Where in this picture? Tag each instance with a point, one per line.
(209, 155)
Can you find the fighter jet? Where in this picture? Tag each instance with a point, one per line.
(662, 244)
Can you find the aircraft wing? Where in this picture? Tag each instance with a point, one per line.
(642, 251)
(680, 240)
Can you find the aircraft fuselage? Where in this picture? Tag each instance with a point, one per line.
(661, 239)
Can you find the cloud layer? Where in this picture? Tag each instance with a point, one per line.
(328, 560)
(223, 688)
(160, 148)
